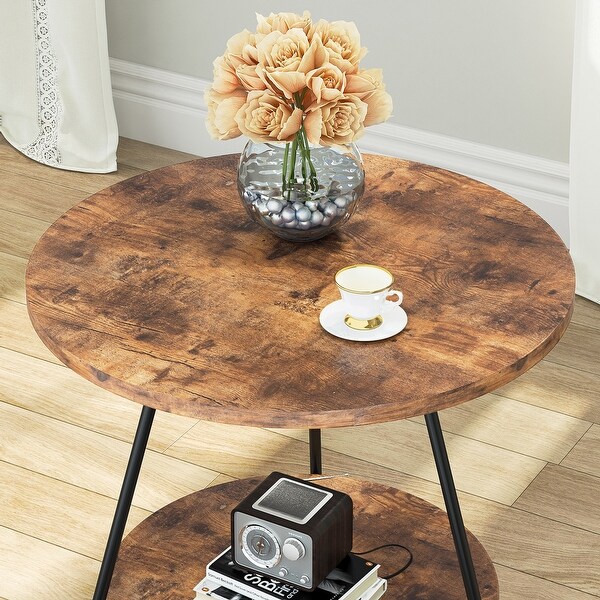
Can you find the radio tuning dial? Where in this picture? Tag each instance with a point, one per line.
(293, 549)
(260, 546)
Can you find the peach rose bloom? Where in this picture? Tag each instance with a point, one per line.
(248, 76)
(268, 118)
(364, 82)
(327, 83)
(379, 108)
(286, 58)
(237, 67)
(342, 41)
(368, 86)
(222, 109)
(225, 80)
(338, 123)
(283, 22)
(242, 46)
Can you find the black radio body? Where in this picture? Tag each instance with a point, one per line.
(293, 530)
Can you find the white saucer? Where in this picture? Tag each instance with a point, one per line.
(332, 320)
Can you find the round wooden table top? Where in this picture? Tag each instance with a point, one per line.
(166, 555)
(160, 289)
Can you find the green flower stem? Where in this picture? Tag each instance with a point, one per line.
(303, 152)
(284, 174)
(299, 148)
(300, 144)
(292, 170)
(305, 149)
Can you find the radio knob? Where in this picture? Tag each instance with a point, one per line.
(293, 549)
(282, 572)
(304, 580)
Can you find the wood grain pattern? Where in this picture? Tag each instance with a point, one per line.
(33, 198)
(12, 161)
(564, 495)
(520, 586)
(102, 460)
(12, 277)
(566, 390)
(165, 556)
(579, 348)
(486, 419)
(16, 332)
(19, 233)
(148, 156)
(36, 569)
(536, 545)
(57, 392)
(585, 456)
(586, 313)
(478, 468)
(57, 512)
(159, 289)
(250, 451)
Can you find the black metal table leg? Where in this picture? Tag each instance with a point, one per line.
(314, 443)
(124, 504)
(457, 525)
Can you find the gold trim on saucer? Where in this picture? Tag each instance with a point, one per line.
(363, 324)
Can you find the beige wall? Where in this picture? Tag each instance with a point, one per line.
(496, 72)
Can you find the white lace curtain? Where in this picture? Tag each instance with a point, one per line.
(55, 91)
(584, 196)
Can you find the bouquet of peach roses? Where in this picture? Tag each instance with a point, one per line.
(296, 82)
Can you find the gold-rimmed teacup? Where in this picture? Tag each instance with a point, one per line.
(365, 290)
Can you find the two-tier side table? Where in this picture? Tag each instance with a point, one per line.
(161, 290)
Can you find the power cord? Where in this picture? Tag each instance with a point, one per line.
(401, 569)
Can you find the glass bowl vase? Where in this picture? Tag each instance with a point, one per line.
(296, 198)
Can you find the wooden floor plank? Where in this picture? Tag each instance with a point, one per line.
(59, 513)
(246, 452)
(12, 161)
(564, 495)
(579, 348)
(564, 390)
(586, 313)
(536, 545)
(12, 277)
(91, 460)
(57, 392)
(34, 198)
(478, 468)
(515, 585)
(147, 156)
(18, 234)
(516, 426)
(17, 333)
(585, 457)
(32, 569)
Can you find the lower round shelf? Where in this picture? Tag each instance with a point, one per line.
(165, 556)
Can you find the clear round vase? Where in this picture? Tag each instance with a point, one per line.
(300, 194)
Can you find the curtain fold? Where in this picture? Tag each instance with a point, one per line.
(584, 194)
(55, 92)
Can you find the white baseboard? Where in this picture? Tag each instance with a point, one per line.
(168, 109)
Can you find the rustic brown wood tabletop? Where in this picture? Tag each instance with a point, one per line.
(160, 289)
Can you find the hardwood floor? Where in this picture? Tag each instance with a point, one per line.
(526, 458)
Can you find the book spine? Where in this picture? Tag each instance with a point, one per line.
(239, 587)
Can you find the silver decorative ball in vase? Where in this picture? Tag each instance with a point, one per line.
(300, 200)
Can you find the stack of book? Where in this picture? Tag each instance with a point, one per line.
(353, 579)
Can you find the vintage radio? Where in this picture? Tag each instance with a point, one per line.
(292, 529)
